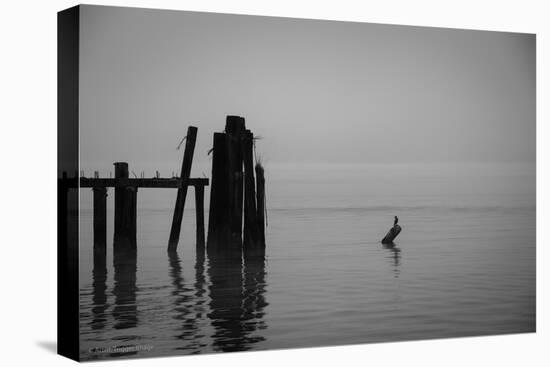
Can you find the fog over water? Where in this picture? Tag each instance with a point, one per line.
(316, 91)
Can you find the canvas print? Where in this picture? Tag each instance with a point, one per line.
(243, 183)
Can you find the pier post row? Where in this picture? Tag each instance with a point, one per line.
(236, 220)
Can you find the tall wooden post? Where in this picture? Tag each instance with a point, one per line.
(199, 210)
(218, 227)
(125, 210)
(260, 202)
(100, 225)
(182, 190)
(234, 128)
(250, 221)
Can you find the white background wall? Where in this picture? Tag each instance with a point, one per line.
(28, 149)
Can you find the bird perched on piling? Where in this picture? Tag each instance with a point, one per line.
(392, 233)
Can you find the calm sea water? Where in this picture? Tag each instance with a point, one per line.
(463, 265)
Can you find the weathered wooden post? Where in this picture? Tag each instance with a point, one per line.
(234, 128)
(100, 224)
(182, 190)
(260, 202)
(251, 235)
(125, 209)
(199, 211)
(392, 233)
(218, 229)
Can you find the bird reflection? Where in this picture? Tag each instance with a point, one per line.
(237, 300)
(395, 258)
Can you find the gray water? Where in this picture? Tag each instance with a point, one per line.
(463, 265)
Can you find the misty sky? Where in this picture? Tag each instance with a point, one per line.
(316, 91)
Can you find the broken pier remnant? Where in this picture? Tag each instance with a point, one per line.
(233, 191)
(125, 213)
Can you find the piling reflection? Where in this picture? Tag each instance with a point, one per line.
(237, 300)
(99, 292)
(200, 285)
(395, 258)
(125, 308)
(254, 293)
(187, 310)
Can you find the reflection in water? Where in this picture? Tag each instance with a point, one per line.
(254, 289)
(236, 311)
(125, 308)
(185, 307)
(99, 294)
(227, 293)
(199, 286)
(395, 258)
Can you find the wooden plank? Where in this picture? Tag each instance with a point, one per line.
(168, 183)
(182, 191)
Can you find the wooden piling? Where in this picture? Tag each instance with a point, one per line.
(182, 191)
(100, 224)
(234, 129)
(199, 210)
(218, 227)
(392, 233)
(125, 211)
(251, 235)
(260, 202)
